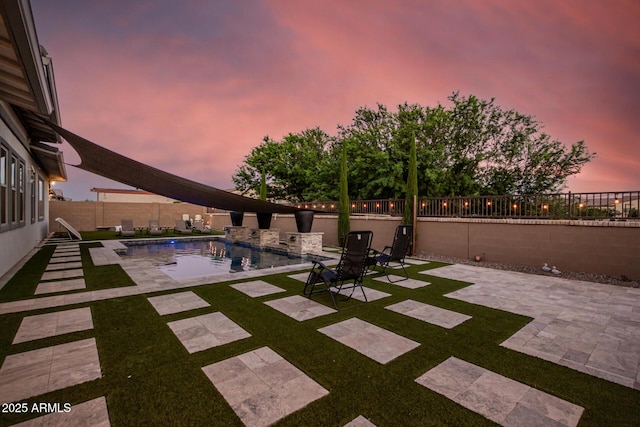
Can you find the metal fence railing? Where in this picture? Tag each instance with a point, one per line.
(602, 205)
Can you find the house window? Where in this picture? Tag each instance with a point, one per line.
(13, 177)
(4, 170)
(32, 189)
(41, 196)
(21, 188)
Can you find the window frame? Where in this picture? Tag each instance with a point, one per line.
(42, 194)
(4, 187)
(13, 203)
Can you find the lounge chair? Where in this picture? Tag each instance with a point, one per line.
(351, 268)
(394, 253)
(127, 228)
(198, 224)
(154, 228)
(181, 227)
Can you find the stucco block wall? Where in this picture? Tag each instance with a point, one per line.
(88, 216)
(601, 247)
(593, 247)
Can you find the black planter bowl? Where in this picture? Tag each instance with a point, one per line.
(264, 220)
(304, 221)
(236, 218)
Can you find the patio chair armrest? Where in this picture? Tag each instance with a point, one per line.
(320, 264)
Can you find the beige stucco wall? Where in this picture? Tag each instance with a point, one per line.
(602, 247)
(88, 216)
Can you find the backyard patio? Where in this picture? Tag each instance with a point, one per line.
(121, 343)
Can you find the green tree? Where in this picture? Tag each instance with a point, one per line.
(298, 167)
(472, 147)
(343, 203)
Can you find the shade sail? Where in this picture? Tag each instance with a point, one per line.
(109, 164)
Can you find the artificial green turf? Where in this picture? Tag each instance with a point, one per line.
(150, 379)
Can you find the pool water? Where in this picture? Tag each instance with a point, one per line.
(186, 260)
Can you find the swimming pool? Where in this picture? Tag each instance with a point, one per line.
(198, 258)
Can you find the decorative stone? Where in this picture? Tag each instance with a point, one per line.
(238, 234)
(261, 238)
(304, 243)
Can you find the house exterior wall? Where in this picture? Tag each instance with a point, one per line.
(18, 238)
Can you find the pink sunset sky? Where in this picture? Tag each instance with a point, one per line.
(191, 86)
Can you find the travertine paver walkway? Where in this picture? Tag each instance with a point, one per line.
(500, 399)
(63, 274)
(63, 266)
(370, 340)
(399, 281)
(262, 387)
(36, 372)
(177, 303)
(65, 259)
(60, 286)
(590, 327)
(52, 324)
(207, 331)
(429, 313)
(92, 413)
(257, 288)
(299, 308)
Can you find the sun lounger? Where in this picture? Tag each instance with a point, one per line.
(394, 253)
(351, 268)
(70, 230)
(154, 228)
(181, 227)
(199, 226)
(127, 228)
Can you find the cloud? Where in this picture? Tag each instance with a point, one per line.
(191, 87)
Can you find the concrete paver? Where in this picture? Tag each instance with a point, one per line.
(36, 372)
(257, 288)
(177, 303)
(207, 331)
(299, 308)
(500, 399)
(370, 340)
(262, 387)
(92, 413)
(60, 286)
(51, 324)
(590, 327)
(429, 313)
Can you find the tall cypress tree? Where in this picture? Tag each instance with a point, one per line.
(343, 202)
(263, 186)
(412, 183)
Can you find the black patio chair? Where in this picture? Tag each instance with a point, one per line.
(394, 253)
(351, 268)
